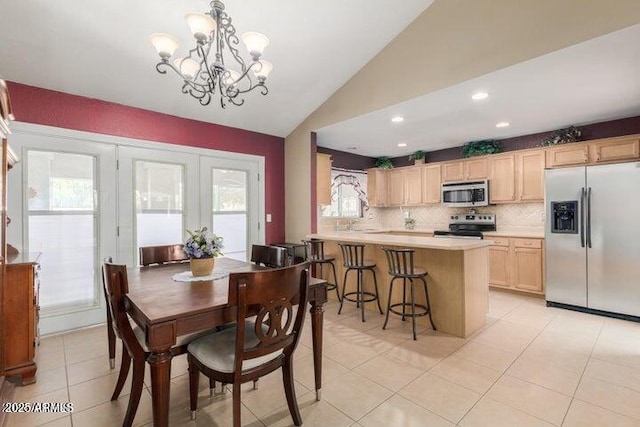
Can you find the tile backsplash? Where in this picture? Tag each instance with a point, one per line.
(522, 215)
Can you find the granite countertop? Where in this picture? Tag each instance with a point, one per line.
(380, 238)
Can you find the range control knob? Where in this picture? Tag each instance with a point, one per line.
(452, 217)
(456, 217)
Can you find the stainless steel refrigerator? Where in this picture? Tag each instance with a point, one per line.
(592, 237)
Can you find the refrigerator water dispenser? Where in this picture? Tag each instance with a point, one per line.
(564, 218)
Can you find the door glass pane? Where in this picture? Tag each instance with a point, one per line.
(62, 225)
(159, 198)
(230, 211)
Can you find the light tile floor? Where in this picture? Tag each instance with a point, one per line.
(531, 366)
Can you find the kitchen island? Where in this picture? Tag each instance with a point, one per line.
(458, 275)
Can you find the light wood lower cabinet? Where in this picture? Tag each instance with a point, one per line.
(21, 315)
(517, 264)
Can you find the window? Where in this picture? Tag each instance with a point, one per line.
(348, 194)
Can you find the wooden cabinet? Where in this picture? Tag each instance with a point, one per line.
(323, 179)
(516, 263)
(530, 174)
(502, 179)
(466, 170)
(614, 150)
(377, 187)
(405, 186)
(21, 311)
(568, 155)
(431, 184)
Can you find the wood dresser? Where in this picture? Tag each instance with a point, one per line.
(21, 312)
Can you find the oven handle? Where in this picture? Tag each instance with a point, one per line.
(582, 194)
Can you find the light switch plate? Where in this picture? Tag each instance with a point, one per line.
(268, 217)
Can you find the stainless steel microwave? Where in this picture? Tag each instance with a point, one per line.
(465, 194)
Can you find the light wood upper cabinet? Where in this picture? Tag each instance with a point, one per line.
(502, 178)
(431, 184)
(465, 170)
(530, 173)
(323, 178)
(405, 186)
(613, 150)
(568, 155)
(413, 186)
(396, 187)
(452, 172)
(377, 188)
(476, 169)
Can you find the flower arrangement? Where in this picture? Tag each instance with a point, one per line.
(203, 244)
(409, 223)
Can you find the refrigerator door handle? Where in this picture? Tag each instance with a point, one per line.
(582, 196)
(589, 217)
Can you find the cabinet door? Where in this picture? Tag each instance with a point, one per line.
(615, 150)
(530, 166)
(377, 187)
(452, 172)
(396, 188)
(499, 266)
(323, 179)
(528, 269)
(431, 184)
(476, 169)
(413, 186)
(502, 180)
(567, 155)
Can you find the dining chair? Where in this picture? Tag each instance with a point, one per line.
(162, 254)
(134, 349)
(269, 256)
(258, 346)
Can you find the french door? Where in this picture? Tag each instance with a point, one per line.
(66, 211)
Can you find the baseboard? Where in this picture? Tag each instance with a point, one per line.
(592, 311)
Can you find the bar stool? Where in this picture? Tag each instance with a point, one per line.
(353, 259)
(314, 253)
(401, 267)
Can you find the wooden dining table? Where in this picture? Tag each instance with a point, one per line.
(166, 309)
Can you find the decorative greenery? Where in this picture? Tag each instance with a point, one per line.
(203, 244)
(409, 223)
(480, 148)
(418, 155)
(384, 163)
(563, 136)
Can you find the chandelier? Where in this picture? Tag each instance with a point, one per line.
(214, 65)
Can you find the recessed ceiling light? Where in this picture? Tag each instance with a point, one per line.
(479, 95)
(402, 144)
(502, 124)
(397, 119)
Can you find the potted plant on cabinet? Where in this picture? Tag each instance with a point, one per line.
(418, 157)
(384, 163)
(480, 148)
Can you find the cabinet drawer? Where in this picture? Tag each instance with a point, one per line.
(499, 241)
(527, 243)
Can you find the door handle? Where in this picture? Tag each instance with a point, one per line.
(582, 196)
(589, 217)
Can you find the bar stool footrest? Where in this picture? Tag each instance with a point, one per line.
(371, 295)
(424, 312)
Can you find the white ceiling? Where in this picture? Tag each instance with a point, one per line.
(589, 82)
(101, 49)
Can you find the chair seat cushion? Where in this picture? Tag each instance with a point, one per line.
(217, 350)
(182, 340)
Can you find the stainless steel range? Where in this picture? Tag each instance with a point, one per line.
(468, 226)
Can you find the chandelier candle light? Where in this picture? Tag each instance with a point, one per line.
(205, 70)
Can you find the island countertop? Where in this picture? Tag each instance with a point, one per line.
(442, 243)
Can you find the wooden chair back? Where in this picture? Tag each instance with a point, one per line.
(273, 295)
(162, 254)
(116, 286)
(269, 256)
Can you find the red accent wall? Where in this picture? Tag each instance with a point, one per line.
(46, 107)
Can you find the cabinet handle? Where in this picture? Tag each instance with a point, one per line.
(528, 243)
